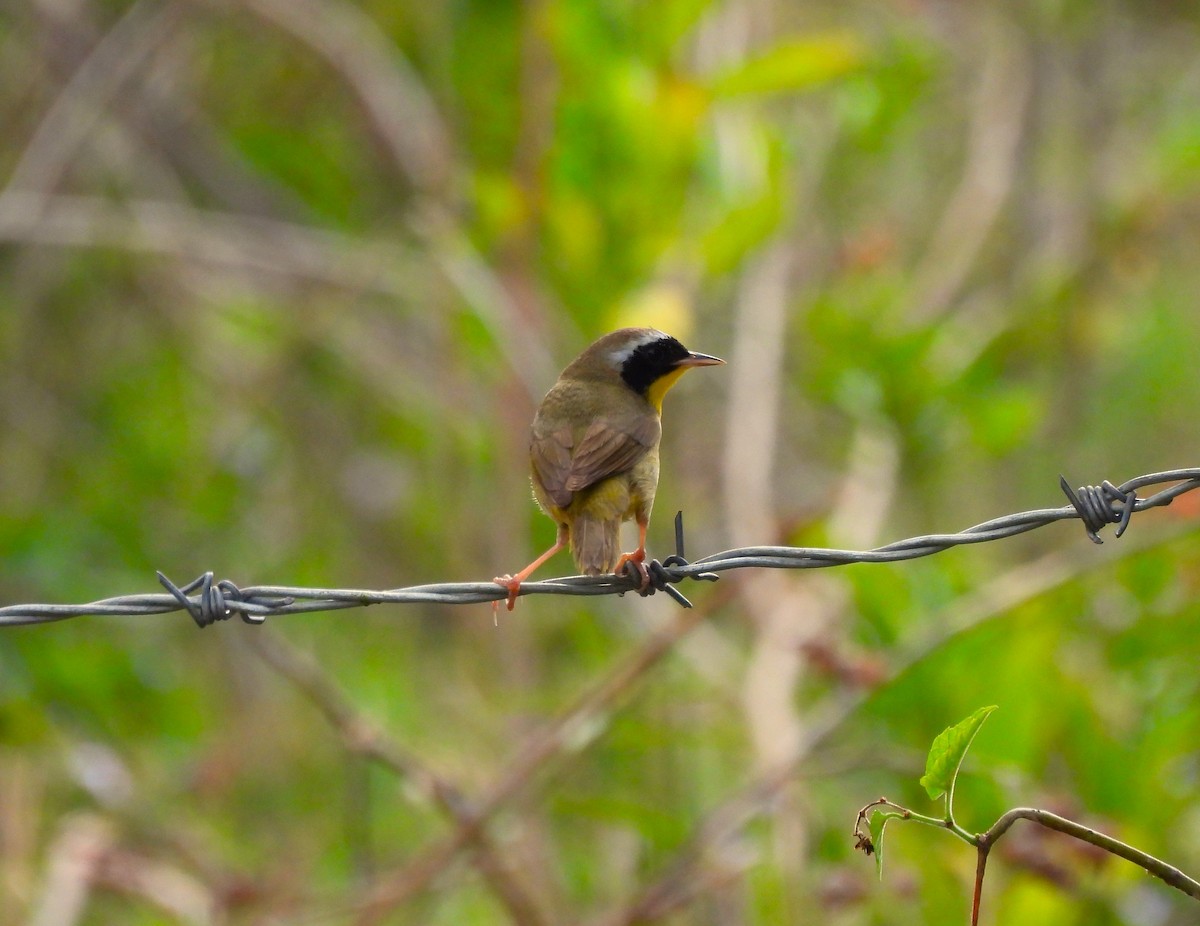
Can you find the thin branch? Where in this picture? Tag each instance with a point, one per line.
(365, 738)
(566, 732)
(114, 60)
(1160, 869)
(179, 894)
(254, 244)
(401, 111)
(993, 142)
(241, 242)
(75, 858)
(404, 116)
(163, 116)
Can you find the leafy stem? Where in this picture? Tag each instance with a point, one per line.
(941, 772)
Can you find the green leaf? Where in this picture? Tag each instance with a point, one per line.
(798, 64)
(876, 824)
(946, 754)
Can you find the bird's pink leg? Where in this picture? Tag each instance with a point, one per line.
(638, 556)
(513, 583)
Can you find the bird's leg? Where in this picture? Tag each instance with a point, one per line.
(513, 583)
(638, 556)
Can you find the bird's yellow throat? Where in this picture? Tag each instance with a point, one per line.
(659, 387)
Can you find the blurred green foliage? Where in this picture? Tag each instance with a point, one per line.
(285, 314)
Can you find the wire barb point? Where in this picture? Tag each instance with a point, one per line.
(1094, 504)
(218, 601)
(665, 574)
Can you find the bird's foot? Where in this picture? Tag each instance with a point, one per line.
(635, 562)
(513, 584)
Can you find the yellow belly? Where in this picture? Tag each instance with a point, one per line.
(594, 517)
(618, 498)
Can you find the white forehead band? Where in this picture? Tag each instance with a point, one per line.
(621, 354)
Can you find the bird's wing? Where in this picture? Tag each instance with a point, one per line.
(604, 450)
(550, 453)
(608, 449)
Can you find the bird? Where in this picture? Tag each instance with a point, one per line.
(593, 448)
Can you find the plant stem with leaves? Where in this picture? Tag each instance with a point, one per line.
(941, 772)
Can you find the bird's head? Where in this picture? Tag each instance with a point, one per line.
(646, 360)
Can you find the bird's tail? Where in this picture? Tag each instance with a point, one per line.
(595, 544)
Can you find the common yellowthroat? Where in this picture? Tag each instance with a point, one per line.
(594, 447)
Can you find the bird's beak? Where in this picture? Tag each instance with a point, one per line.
(694, 359)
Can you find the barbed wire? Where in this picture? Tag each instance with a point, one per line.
(208, 600)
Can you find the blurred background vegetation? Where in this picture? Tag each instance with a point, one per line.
(281, 282)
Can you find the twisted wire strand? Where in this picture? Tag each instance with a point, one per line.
(208, 600)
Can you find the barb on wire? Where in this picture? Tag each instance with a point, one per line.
(208, 601)
(220, 601)
(1094, 505)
